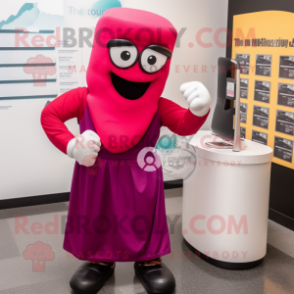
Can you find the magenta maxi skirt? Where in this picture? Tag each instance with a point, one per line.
(117, 209)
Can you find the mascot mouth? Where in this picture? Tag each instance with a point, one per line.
(128, 89)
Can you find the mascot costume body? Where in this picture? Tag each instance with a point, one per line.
(117, 210)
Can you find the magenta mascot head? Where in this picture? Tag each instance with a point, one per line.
(127, 72)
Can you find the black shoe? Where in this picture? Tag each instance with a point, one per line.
(156, 279)
(90, 277)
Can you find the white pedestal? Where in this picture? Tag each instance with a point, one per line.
(225, 203)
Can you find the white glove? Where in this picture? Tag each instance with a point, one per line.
(197, 96)
(84, 148)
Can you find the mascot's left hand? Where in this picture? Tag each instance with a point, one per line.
(197, 96)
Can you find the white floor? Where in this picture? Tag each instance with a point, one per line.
(18, 276)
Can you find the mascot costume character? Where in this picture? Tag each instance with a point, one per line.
(117, 209)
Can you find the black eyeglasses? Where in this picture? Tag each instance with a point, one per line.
(124, 54)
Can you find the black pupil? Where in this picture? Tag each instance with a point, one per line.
(125, 55)
(152, 59)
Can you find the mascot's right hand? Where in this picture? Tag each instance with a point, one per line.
(84, 148)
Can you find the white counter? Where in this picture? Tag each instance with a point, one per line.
(225, 203)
